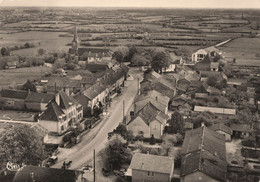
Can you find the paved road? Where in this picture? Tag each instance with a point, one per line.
(83, 152)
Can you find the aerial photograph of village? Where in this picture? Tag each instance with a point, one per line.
(129, 91)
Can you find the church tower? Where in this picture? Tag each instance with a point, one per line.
(75, 42)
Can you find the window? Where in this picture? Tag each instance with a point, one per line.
(150, 173)
(155, 127)
(62, 128)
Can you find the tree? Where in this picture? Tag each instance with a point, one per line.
(132, 52)
(176, 124)
(139, 60)
(5, 51)
(29, 86)
(212, 81)
(116, 152)
(41, 51)
(21, 144)
(168, 142)
(121, 130)
(160, 60)
(121, 54)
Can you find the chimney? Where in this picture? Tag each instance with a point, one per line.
(57, 98)
(67, 90)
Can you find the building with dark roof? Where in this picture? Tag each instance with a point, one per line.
(38, 101)
(148, 122)
(203, 156)
(13, 99)
(151, 168)
(61, 113)
(222, 129)
(42, 174)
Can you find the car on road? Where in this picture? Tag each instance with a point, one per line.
(51, 161)
(88, 168)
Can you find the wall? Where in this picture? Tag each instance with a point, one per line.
(34, 106)
(195, 55)
(155, 129)
(197, 177)
(51, 126)
(227, 136)
(142, 176)
(139, 125)
(14, 103)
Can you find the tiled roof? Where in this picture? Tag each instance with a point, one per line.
(43, 174)
(215, 110)
(52, 112)
(214, 65)
(206, 163)
(153, 163)
(241, 127)
(95, 67)
(149, 112)
(93, 91)
(14, 94)
(221, 127)
(141, 102)
(211, 49)
(65, 100)
(39, 97)
(206, 139)
(204, 150)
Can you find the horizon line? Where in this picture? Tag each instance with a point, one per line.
(130, 7)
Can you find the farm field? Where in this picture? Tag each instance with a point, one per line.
(244, 50)
(49, 41)
(21, 75)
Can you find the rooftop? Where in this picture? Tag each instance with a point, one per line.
(154, 163)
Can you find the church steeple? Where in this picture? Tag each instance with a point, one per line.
(75, 41)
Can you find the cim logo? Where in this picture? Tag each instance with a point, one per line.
(12, 167)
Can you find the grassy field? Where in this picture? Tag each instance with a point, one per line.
(49, 41)
(21, 75)
(244, 50)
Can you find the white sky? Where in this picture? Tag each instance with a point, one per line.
(138, 3)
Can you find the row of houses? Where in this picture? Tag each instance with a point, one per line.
(104, 88)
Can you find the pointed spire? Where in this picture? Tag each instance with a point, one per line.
(75, 38)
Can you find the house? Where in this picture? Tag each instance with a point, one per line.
(159, 100)
(178, 101)
(185, 109)
(151, 168)
(236, 82)
(218, 75)
(241, 130)
(11, 65)
(204, 90)
(61, 114)
(38, 101)
(203, 156)
(91, 97)
(175, 60)
(148, 122)
(43, 174)
(158, 83)
(200, 54)
(222, 129)
(215, 110)
(97, 67)
(207, 64)
(13, 99)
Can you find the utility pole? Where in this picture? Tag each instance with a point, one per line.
(123, 111)
(94, 166)
(138, 82)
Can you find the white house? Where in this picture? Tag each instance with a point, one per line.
(200, 54)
